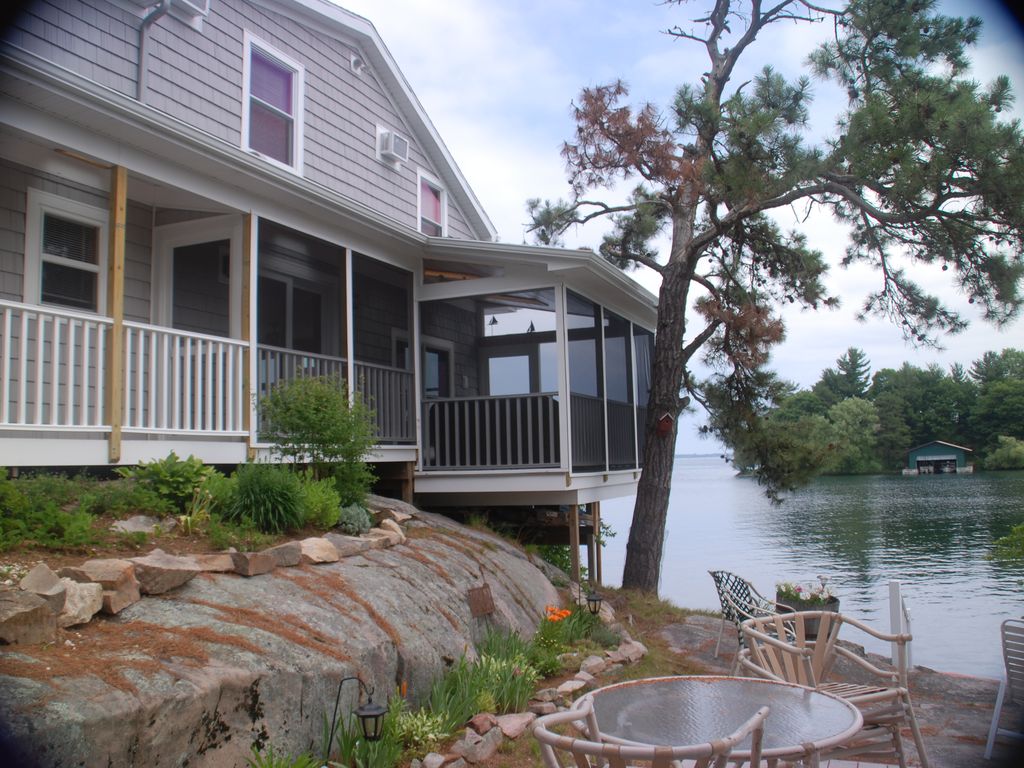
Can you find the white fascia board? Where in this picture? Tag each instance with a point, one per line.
(572, 266)
(385, 69)
(52, 98)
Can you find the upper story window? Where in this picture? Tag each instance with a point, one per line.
(432, 206)
(65, 253)
(272, 109)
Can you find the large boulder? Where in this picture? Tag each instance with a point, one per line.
(117, 577)
(159, 572)
(25, 618)
(201, 674)
(44, 583)
(83, 601)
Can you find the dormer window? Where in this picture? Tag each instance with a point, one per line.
(272, 117)
(432, 205)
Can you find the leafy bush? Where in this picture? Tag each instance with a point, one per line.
(122, 498)
(268, 495)
(354, 520)
(1008, 454)
(310, 419)
(422, 729)
(321, 502)
(354, 750)
(172, 478)
(41, 510)
(353, 481)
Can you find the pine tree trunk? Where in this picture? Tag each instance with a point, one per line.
(642, 569)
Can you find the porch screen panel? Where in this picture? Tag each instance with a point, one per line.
(619, 389)
(585, 384)
(382, 312)
(643, 344)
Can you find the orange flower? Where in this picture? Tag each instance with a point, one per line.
(405, 688)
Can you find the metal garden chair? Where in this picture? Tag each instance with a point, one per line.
(1012, 632)
(584, 753)
(778, 648)
(740, 601)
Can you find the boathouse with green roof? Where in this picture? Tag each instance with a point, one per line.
(938, 458)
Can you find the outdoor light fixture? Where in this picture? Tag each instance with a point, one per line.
(594, 601)
(371, 716)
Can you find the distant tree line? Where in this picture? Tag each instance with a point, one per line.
(851, 422)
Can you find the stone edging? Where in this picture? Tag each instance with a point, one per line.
(43, 600)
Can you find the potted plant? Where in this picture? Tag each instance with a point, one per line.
(790, 597)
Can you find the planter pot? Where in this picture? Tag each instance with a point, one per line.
(788, 605)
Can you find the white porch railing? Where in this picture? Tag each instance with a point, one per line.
(899, 619)
(51, 367)
(179, 381)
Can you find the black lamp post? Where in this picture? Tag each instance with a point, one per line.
(594, 602)
(371, 716)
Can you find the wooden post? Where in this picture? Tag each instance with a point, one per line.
(591, 547)
(248, 385)
(596, 515)
(115, 362)
(574, 541)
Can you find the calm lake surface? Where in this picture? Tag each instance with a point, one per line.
(932, 533)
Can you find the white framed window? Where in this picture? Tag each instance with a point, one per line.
(273, 87)
(432, 205)
(65, 253)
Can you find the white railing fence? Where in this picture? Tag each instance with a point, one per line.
(51, 367)
(182, 381)
(899, 619)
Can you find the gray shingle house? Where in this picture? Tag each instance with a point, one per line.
(202, 198)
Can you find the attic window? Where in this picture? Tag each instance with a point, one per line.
(272, 119)
(432, 205)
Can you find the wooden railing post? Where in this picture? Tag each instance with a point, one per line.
(248, 356)
(115, 363)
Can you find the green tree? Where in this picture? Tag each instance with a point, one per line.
(1008, 454)
(920, 168)
(855, 424)
(996, 366)
(999, 411)
(850, 378)
(893, 438)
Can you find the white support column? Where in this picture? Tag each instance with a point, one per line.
(564, 395)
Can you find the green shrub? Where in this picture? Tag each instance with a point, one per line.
(353, 481)
(354, 520)
(171, 478)
(269, 759)
(268, 495)
(311, 420)
(423, 729)
(122, 498)
(354, 750)
(321, 502)
(1008, 454)
(42, 510)
(243, 535)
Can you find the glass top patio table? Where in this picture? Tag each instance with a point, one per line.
(696, 709)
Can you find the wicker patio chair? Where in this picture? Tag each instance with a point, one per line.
(740, 601)
(595, 754)
(778, 648)
(1012, 633)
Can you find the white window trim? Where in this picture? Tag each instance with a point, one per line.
(170, 236)
(422, 176)
(40, 203)
(298, 100)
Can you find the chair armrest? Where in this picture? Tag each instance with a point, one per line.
(901, 639)
(891, 675)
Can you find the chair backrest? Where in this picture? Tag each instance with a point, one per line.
(782, 647)
(738, 597)
(1012, 632)
(592, 754)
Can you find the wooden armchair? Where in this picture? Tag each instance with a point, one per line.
(584, 753)
(779, 648)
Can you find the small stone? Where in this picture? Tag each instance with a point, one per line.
(593, 665)
(83, 601)
(433, 760)
(483, 722)
(25, 618)
(571, 686)
(393, 527)
(347, 546)
(455, 762)
(317, 550)
(252, 563)
(144, 524)
(515, 725)
(286, 555)
(383, 538)
(633, 651)
(615, 657)
(159, 572)
(117, 577)
(480, 749)
(546, 694)
(541, 707)
(584, 677)
(46, 584)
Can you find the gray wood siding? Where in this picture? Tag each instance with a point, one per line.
(16, 180)
(196, 77)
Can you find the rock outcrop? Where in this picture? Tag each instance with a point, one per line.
(203, 672)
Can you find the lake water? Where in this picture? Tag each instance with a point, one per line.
(932, 533)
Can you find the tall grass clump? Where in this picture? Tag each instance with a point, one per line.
(267, 495)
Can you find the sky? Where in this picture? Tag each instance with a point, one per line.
(497, 79)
